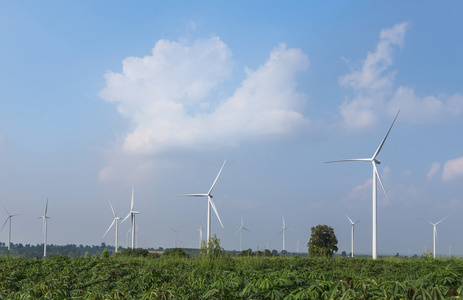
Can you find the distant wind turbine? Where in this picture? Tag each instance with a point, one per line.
(284, 230)
(376, 176)
(115, 221)
(9, 226)
(352, 235)
(209, 204)
(45, 217)
(132, 214)
(200, 235)
(298, 244)
(434, 234)
(175, 235)
(240, 230)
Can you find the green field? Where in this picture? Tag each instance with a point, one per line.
(61, 277)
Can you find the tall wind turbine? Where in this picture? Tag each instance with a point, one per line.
(434, 234)
(9, 226)
(241, 233)
(352, 235)
(175, 235)
(45, 217)
(376, 176)
(284, 230)
(209, 204)
(115, 221)
(132, 214)
(200, 234)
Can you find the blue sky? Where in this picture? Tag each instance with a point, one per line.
(96, 97)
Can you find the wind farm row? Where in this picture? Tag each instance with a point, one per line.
(211, 206)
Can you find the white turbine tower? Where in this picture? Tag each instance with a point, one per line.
(240, 230)
(284, 230)
(132, 214)
(175, 235)
(200, 234)
(376, 178)
(352, 235)
(115, 221)
(298, 244)
(434, 234)
(45, 217)
(209, 204)
(9, 226)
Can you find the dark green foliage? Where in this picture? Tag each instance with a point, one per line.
(128, 252)
(124, 277)
(323, 241)
(176, 252)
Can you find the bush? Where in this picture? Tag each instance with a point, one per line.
(176, 252)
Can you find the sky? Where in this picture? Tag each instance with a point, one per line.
(97, 97)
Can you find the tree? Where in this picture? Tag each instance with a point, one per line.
(213, 248)
(322, 241)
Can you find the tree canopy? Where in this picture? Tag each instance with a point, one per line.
(322, 241)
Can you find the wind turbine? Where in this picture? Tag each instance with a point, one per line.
(209, 204)
(200, 235)
(298, 244)
(132, 214)
(434, 234)
(115, 221)
(352, 235)
(45, 217)
(9, 226)
(241, 233)
(284, 230)
(374, 162)
(175, 235)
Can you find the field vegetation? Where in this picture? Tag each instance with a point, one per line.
(141, 275)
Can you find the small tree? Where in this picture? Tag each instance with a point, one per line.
(105, 254)
(322, 241)
(212, 249)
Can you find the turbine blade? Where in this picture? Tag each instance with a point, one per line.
(215, 210)
(238, 230)
(385, 137)
(343, 160)
(442, 220)
(246, 229)
(426, 221)
(210, 191)
(131, 204)
(46, 208)
(291, 229)
(109, 227)
(356, 222)
(6, 210)
(130, 213)
(283, 221)
(191, 195)
(379, 179)
(112, 209)
(5, 223)
(280, 232)
(350, 220)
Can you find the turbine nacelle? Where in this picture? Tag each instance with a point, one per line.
(377, 161)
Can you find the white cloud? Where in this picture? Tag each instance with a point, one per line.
(371, 83)
(435, 167)
(429, 109)
(170, 96)
(452, 169)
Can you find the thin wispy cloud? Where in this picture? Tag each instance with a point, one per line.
(373, 81)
